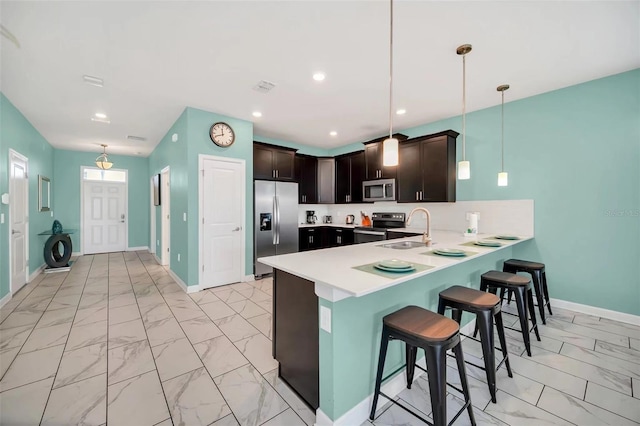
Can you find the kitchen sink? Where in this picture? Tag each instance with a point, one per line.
(404, 245)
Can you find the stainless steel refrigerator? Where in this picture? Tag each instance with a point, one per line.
(275, 221)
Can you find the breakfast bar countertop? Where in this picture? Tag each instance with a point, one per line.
(335, 277)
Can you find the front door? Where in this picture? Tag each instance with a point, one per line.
(105, 217)
(19, 199)
(222, 197)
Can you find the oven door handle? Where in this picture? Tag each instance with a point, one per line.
(379, 233)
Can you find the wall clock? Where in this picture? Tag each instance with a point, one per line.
(222, 134)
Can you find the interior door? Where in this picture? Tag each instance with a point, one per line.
(105, 217)
(222, 194)
(19, 196)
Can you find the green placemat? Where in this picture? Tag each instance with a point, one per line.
(466, 254)
(495, 237)
(393, 275)
(471, 244)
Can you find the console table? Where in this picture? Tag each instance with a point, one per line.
(57, 251)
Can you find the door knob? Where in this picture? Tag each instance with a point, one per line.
(238, 228)
(13, 231)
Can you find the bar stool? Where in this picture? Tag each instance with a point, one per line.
(435, 333)
(539, 277)
(485, 306)
(521, 287)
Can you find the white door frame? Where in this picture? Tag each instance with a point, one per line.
(165, 213)
(243, 195)
(152, 221)
(15, 154)
(126, 206)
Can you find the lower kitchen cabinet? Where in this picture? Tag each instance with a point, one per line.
(341, 236)
(392, 235)
(320, 237)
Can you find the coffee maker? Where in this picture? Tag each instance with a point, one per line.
(311, 217)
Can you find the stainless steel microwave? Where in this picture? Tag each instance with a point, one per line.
(379, 190)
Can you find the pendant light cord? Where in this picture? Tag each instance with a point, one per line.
(502, 164)
(391, 71)
(464, 106)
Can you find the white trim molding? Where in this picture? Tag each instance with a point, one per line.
(138, 248)
(155, 256)
(5, 299)
(248, 278)
(182, 284)
(37, 272)
(596, 311)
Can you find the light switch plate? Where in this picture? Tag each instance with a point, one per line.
(1, 217)
(325, 319)
(184, 217)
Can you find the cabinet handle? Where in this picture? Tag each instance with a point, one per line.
(421, 196)
(339, 239)
(417, 197)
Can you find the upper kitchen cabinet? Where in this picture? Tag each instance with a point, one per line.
(350, 173)
(326, 180)
(374, 168)
(427, 170)
(273, 162)
(306, 173)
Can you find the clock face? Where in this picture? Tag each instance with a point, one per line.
(222, 134)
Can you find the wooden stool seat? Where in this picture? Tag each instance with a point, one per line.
(470, 297)
(422, 324)
(524, 264)
(506, 278)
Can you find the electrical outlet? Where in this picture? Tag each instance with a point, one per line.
(1, 217)
(325, 319)
(52, 213)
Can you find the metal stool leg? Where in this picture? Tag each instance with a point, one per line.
(546, 291)
(503, 342)
(537, 285)
(384, 343)
(532, 310)
(437, 373)
(485, 321)
(411, 353)
(457, 350)
(521, 303)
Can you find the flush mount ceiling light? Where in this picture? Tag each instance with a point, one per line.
(390, 145)
(401, 112)
(101, 119)
(256, 114)
(103, 161)
(319, 76)
(503, 177)
(94, 81)
(100, 115)
(464, 167)
(333, 133)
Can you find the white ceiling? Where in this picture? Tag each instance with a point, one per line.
(157, 57)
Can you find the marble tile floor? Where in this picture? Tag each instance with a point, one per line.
(116, 341)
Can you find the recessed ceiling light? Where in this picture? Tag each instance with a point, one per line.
(256, 114)
(333, 133)
(100, 115)
(401, 111)
(319, 76)
(94, 81)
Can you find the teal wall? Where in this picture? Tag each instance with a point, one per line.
(18, 134)
(67, 182)
(301, 149)
(174, 155)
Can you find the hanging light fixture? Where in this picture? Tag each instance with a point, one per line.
(464, 167)
(503, 177)
(103, 161)
(390, 145)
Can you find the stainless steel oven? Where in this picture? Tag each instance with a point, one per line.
(378, 232)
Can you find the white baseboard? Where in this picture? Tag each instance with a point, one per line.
(358, 414)
(37, 272)
(5, 299)
(138, 248)
(595, 311)
(157, 259)
(182, 284)
(76, 253)
(248, 278)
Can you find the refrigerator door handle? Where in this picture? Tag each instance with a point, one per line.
(277, 224)
(274, 227)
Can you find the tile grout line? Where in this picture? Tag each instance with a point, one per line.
(44, 410)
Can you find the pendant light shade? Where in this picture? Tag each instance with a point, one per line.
(390, 145)
(103, 161)
(464, 167)
(503, 177)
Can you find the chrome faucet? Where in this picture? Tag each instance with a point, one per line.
(426, 236)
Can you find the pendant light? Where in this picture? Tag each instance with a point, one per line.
(503, 177)
(390, 145)
(103, 161)
(464, 167)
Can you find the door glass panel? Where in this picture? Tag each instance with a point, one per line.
(105, 175)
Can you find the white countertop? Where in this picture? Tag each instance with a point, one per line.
(332, 225)
(332, 269)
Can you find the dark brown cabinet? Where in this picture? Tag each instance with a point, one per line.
(273, 162)
(350, 172)
(306, 174)
(427, 170)
(392, 235)
(374, 168)
(341, 237)
(312, 238)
